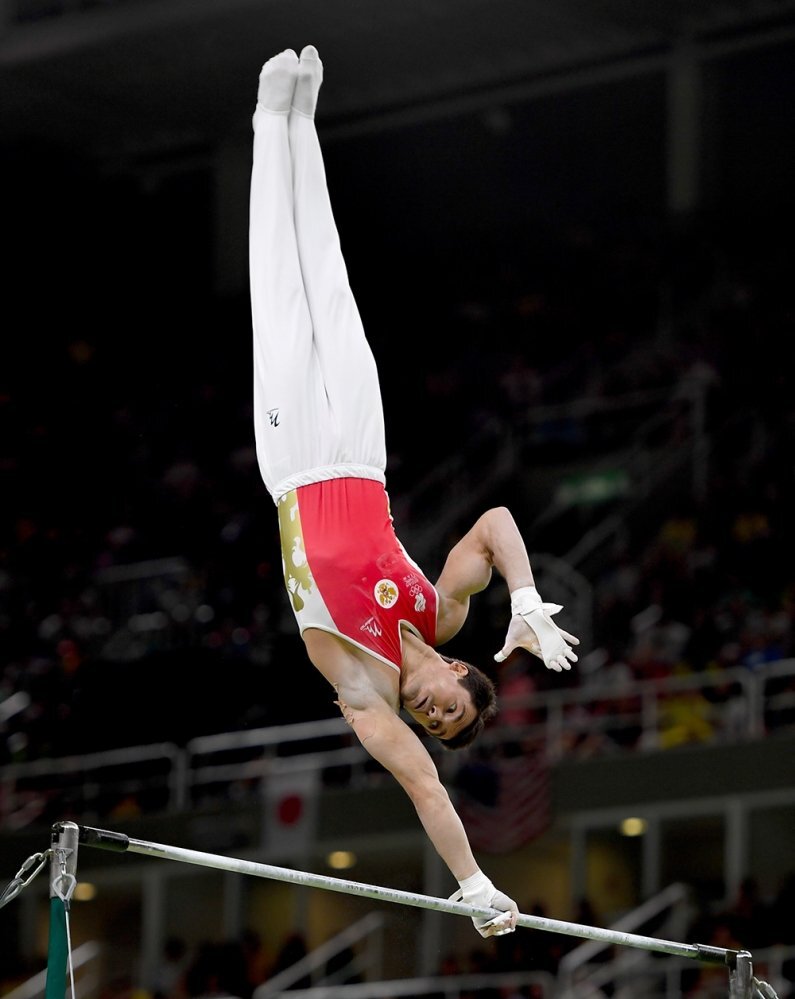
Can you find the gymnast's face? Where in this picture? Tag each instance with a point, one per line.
(438, 701)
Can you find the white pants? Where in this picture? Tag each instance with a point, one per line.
(317, 402)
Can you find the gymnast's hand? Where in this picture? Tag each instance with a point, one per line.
(479, 890)
(532, 628)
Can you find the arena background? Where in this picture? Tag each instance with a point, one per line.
(569, 230)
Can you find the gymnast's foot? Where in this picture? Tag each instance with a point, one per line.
(277, 82)
(310, 76)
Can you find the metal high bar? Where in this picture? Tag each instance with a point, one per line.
(120, 843)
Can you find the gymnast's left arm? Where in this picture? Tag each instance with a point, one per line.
(495, 543)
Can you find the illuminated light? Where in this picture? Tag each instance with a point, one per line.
(85, 891)
(633, 827)
(341, 860)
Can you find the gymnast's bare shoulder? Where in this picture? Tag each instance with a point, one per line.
(361, 681)
(367, 694)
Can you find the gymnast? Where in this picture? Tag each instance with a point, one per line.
(368, 616)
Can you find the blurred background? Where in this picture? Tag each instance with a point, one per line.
(569, 230)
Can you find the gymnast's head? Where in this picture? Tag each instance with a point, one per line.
(454, 704)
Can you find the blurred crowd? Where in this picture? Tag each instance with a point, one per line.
(140, 557)
(140, 554)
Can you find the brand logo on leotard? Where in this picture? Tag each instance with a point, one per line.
(386, 593)
(273, 416)
(419, 603)
(371, 626)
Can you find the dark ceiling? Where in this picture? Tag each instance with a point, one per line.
(119, 79)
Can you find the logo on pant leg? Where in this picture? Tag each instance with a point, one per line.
(273, 416)
(386, 593)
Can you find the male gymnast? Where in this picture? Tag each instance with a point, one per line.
(368, 616)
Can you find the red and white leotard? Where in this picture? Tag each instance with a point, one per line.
(347, 573)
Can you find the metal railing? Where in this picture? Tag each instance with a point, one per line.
(727, 706)
(542, 984)
(366, 935)
(723, 706)
(85, 960)
(672, 904)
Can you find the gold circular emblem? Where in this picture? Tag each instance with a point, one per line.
(386, 593)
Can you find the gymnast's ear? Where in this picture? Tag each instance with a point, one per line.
(459, 668)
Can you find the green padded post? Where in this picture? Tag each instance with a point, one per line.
(63, 868)
(56, 951)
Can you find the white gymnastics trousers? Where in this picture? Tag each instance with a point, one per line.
(317, 401)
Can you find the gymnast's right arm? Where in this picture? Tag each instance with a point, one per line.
(369, 702)
(391, 742)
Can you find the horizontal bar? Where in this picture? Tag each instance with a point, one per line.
(107, 840)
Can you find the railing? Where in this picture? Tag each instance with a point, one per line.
(457, 485)
(366, 962)
(672, 903)
(92, 784)
(85, 959)
(728, 706)
(541, 985)
(644, 977)
(724, 706)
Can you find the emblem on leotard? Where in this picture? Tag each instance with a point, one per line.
(386, 593)
(273, 416)
(297, 574)
(415, 590)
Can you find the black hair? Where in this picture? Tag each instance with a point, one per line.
(484, 699)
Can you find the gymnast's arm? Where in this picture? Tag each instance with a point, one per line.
(368, 698)
(493, 543)
(369, 701)
(390, 741)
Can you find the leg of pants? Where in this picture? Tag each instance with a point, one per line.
(291, 418)
(317, 404)
(347, 364)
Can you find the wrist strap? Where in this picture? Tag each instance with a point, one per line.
(525, 600)
(475, 882)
